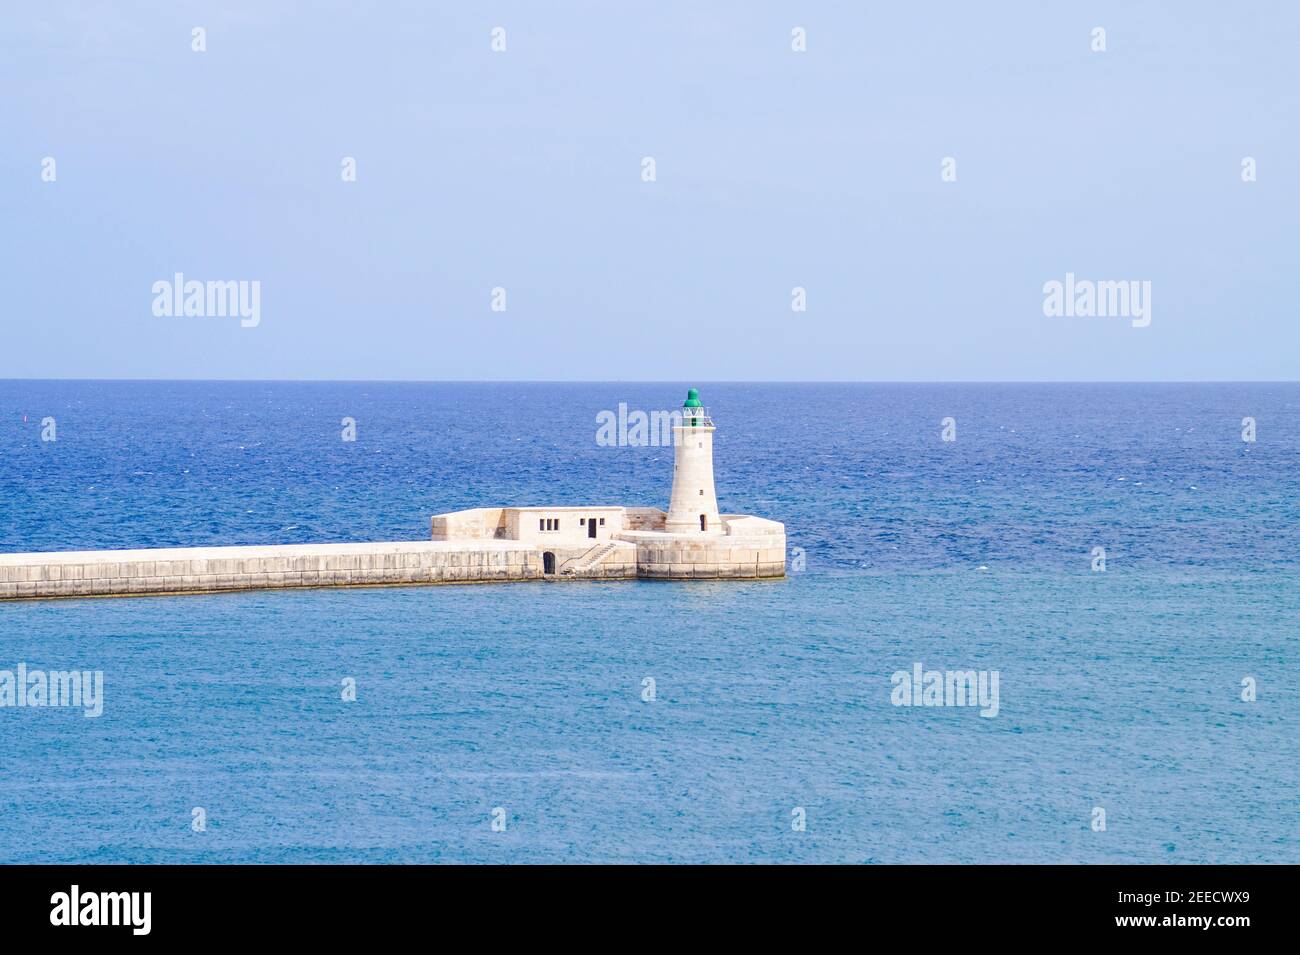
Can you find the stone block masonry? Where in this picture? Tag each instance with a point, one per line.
(214, 569)
(199, 570)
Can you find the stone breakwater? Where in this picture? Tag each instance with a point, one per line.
(192, 570)
(213, 569)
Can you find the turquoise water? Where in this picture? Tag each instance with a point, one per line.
(1119, 690)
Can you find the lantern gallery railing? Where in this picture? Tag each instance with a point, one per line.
(696, 418)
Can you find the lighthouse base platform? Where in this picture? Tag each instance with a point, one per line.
(611, 541)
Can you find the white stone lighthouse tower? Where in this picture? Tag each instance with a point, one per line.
(693, 508)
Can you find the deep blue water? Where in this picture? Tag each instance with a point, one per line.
(1119, 690)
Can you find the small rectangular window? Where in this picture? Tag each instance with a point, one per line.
(602, 522)
(541, 524)
(582, 520)
(557, 523)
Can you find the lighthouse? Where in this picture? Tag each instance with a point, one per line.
(693, 507)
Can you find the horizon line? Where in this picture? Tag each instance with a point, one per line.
(666, 381)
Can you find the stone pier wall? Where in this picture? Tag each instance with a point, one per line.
(215, 569)
(724, 557)
(212, 569)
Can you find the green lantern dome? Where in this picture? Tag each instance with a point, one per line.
(692, 399)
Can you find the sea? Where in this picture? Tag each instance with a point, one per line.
(1123, 557)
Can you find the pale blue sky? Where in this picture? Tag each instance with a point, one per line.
(775, 170)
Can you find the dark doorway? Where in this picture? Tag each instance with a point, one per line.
(591, 527)
(548, 562)
(704, 523)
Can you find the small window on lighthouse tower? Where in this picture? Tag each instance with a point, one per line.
(704, 523)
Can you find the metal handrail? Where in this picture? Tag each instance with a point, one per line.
(559, 570)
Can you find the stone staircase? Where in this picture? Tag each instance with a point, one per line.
(589, 560)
